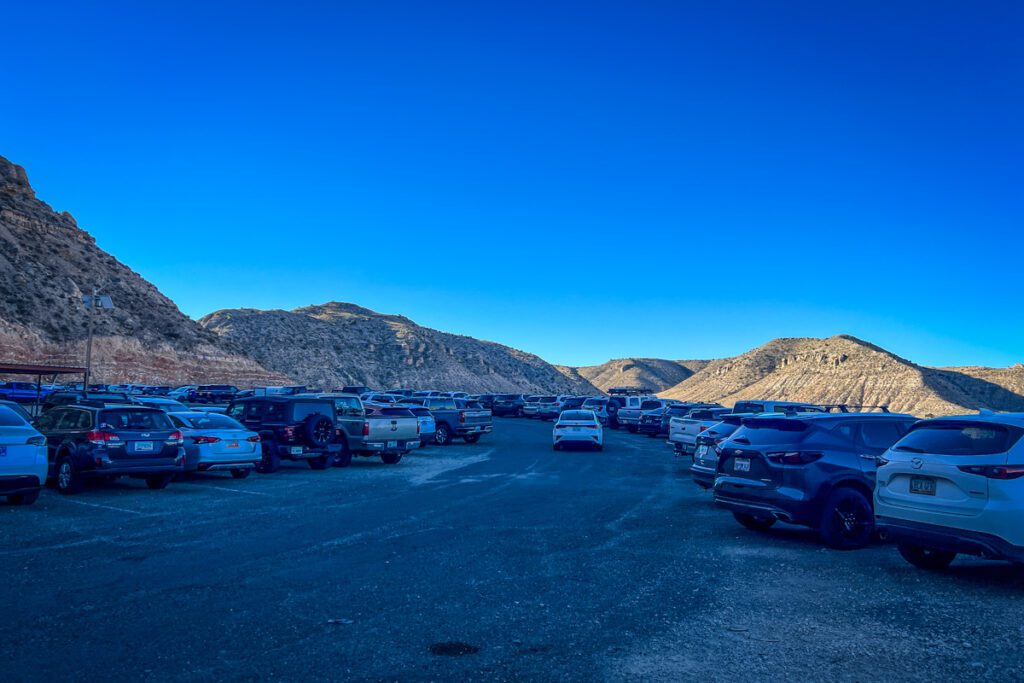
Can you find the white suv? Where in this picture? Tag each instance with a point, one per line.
(955, 485)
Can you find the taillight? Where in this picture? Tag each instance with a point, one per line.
(178, 439)
(100, 437)
(793, 457)
(462, 417)
(288, 432)
(366, 429)
(417, 427)
(36, 441)
(995, 471)
(702, 429)
(204, 439)
(255, 438)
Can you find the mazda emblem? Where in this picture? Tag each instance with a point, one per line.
(917, 463)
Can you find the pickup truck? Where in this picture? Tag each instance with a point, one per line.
(629, 416)
(22, 392)
(683, 431)
(367, 430)
(456, 418)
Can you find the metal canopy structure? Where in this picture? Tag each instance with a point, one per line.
(40, 371)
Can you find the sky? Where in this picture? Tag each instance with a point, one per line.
(581, 180)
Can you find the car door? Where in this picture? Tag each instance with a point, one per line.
(46, 424)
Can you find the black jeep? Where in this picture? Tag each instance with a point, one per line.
(290, 428)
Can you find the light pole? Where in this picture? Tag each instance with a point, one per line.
(92, 302)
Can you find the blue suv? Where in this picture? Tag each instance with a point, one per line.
(815, 470)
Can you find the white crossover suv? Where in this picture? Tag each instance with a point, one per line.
(955, 485)
(23, 463)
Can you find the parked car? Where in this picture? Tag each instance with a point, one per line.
(549, 407)
(600, 405)
(23, 461)
(367, 430)
(63, 398)
(290, 428)
(183, 392)
(377, 397)
(453, 421)
(683, 431)
(213, 393)
(168, 405)
(530, 406)
(428, 427)
(485, 400)
(425, 394)
(955, 485)
(577, 428)
(630, 414)
(95, 439)
(354, 389)
(814, 469)
(215, 442)
(22, 392)
(704, 461)
(758, 407)
(508, 405)
(573, 402)
(18, 408)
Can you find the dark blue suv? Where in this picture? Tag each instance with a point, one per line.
(816, 470)
(96, 439)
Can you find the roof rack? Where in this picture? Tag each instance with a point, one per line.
(852, 408)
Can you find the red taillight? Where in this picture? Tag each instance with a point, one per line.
(793, 457)
(417, 427)
(100, 437)
(203, 439)
(288, 432)
(702, 429)
(177, 438)
(366, 429)
(255, 438)
(995, 471)
(462, 417)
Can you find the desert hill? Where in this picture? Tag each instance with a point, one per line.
(657, 373)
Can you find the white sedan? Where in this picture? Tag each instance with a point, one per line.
(578, 428)
(23, 463)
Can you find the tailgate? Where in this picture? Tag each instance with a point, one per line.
(476, 417)
(387, 428)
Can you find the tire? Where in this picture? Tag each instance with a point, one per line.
(472, 438)
(23, 498)
(240, 474)
(269, 463)
(753, 522)
(926, 558)
(344, 458)
(847, 520)
(600, 447)
(442, 437)
(557, 446)
(322, 462)
(391, 458)
(158, 482)
(69, 479)
(632, 429)
(318, 430)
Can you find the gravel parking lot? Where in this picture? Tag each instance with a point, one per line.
(502, 560)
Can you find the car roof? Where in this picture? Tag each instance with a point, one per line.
(828, 417)
(1015, 419)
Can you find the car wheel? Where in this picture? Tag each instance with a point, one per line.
(69, 479)
(632, 429)
(557, 446)
(847, 520)
(159, 482)
(391, 458)
(269, 463)
(344, 458)
(240, 474)
(442, 437)
(600, 447)
(754, 522)
(23, 498)
(926, 558)
(471, 438)
(322, 462)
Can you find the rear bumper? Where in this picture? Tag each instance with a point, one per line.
(703, 477)
(936, 537)
(402, 446)
(474, 429)
(219, 465)
(307, 453)
(761, 500)
(18, 484)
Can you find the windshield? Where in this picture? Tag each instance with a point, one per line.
(650, 405)
(595, 402)
(959, 438)
(577, 416)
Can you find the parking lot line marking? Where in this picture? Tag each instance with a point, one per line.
(225, 488)
(105, 507)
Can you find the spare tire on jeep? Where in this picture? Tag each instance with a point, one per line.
(318, 430)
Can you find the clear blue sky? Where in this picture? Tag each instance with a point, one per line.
(580, 180)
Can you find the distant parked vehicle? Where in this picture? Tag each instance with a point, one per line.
(629, 416)
(425, 394)
(373, 429)
(92, 439)
(354, 389)
(213, 393)
(378, 397)
(428, 427)
(183, 392)
(757, 407)
(23, 460)
(955, 485)
(549, 407)
(816, 470)
(22, 392)
(704, 461)
(452, 421)
(168, 405)
(63, 398)
(290, 428)
(507, 405)
(573, 402)
(683, 431)
(577, 428)
(530, 405)
(215, 442)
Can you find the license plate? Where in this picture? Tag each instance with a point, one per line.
(143, 446)
(741, 465)
(924, 486)
(392, 444)
(232, 444)
(702, 451)
(575, 429)
(296, 450)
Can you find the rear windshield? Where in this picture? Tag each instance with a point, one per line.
(748, 407)
(596, 402)
(419, 412)
(442, 403)
(772, 431)
(131, 419)
(705, 414)
(547, 399)
(9, 418)
(959, 438)
(213, 421)
(650, 405)
(722, 429)
(578, 415)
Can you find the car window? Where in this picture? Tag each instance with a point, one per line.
(129, 419)
(179, 422)
(80, 419)
(578, 415)
(880, 434)
(68, 419)
(650, 405)
(213, 421)
(49, 419)
(237, 410)
(959, 438)
(748, 407)
(9, 418)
